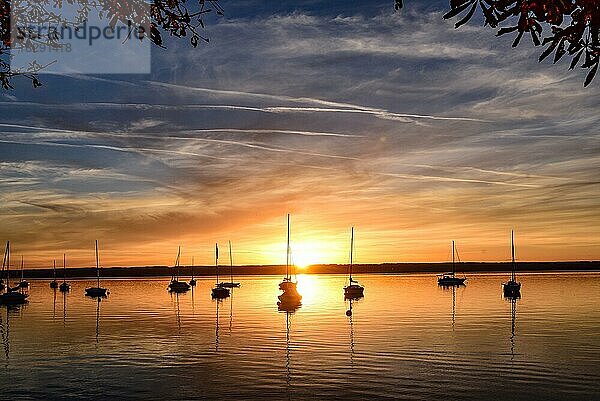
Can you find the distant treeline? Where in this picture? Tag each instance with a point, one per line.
(467, 267)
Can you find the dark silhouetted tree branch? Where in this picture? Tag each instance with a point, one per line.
(568, 28)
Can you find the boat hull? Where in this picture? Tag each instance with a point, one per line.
(96, 292)
(354, 291)
(64, 287)
(12, 298)
(192, 283)
(229, 285)
(220, 292)
(178, 286)
(451, 281)
(290, 296)
(511, 289)
(53, 284)
(286, 285)
(23, 284)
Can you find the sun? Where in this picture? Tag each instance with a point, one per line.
(306, 254)
(303, 261)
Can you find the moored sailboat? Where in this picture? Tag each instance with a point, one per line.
(11, 296)
(287, 283)
(512, 288)
(230, 283)
(54, 283)
(450, 279)
(175, 285)
(192, 282)
(218, 291)
(96, 291)
(290, 298)
(23, 283)
(64, 286)
(353, 290)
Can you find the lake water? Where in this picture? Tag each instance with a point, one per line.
(407, 339)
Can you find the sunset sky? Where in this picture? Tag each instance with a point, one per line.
(342, 115)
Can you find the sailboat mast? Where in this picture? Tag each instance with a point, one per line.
(192, 267)
(351, 251)
(453, 268)
(22, 264)
(64, 267)
(217, 260)
(6, 263)
(54, 269)
(287, 255)
(97, 265)
(230, 262)
(512, 248)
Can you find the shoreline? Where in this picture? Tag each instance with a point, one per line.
(255, 270)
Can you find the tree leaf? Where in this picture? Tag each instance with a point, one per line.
(590, 76)
(467, 17)
(455, 11)
(575, 59)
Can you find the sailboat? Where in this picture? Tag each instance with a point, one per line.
(54, 283)
(175, 285)
(512, 288)
(11, 295)
(290, 299)
(231, 283)
(23, 283)
(2, 285)
(353, 290)
(64, 286)
(219, 291)
(192, 280)
(96, 291)
(287, 283)
(450, 279)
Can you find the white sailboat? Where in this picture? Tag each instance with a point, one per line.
(96, 291)
(11, 295)
(175, 285)
(353, 290)
(512, 288)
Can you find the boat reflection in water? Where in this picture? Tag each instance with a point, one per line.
(513, 299)
(453, 290)
(11, 310)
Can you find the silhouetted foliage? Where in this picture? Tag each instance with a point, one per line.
(573, 25)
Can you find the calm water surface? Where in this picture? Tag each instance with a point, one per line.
(407, 339)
